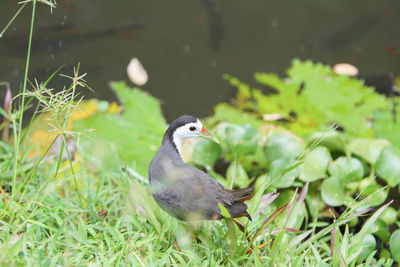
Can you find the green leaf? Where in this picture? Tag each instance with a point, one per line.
(224, 211)
(279, 178)
(282, 146)
(388, 166)
(253, 161)
(395, 245)
(385, 126)
(332, 192)
(318, 97)
(368, 246)
(368, 149)
(285, 195)
(376, 198)
(260, 186)
(206, 153)
(333, 140)
(384, 255)
(315, 164)
(347, 169)
(237, 175)
(231, 228)
(389, 216)
(337, 96)
(380, 229)
(225, 113)
(136, 134)
(244, 89)
(240, 140)
(357, 240)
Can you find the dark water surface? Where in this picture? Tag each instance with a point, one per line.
(186, 46)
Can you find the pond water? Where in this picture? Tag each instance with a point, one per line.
(186, 46)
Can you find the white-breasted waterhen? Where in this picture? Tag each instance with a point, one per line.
(185, 191)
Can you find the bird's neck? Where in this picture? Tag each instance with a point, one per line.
(174, 142)
(177, 141)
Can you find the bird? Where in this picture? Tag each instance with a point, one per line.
(184, 191)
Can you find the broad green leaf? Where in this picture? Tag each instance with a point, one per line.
(253, 161)
(385, 257)
(332, 192)
(280, 179)
(318, 97)
(314, 200)
(240, 140)
(386, 125)
(206, 153)
(395, 245)
(337, 96)
(347, 169)
(315, 164)
(237, 175)
(389, 216)
(225, 113)
(282, 146)
(388, 166)
(244, 89)
(380, 229)
(333, 140)
(376, 198)
(368, 149)
(136, 134)
(352, 187)
(368, 246)
(285, 195)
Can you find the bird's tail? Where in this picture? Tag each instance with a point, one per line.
(242, 194)
(238, 208)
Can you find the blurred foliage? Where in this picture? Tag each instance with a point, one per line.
(312, 98)
(135, 134)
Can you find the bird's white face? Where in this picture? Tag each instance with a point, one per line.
(193, 129)
(188, 130)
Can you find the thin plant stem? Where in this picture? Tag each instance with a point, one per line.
(74, 83)
(12, 19)
(72, 170)
(18, 133)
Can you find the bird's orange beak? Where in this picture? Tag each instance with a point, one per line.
(205, 134)
(204, 131)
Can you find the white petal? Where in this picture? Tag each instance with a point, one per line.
(136, 73)
(345, 69)
(273, 117)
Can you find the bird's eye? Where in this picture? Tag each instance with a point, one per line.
(192, 128)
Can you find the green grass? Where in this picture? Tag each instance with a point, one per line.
(119, 224)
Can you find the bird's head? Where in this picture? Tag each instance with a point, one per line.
(187, 127)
